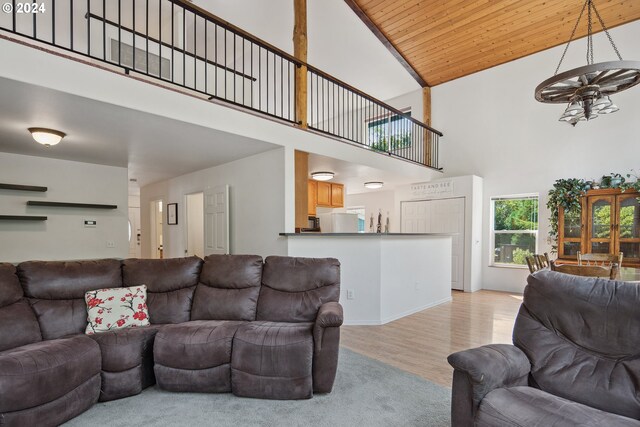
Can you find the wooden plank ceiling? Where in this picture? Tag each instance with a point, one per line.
(443, 40)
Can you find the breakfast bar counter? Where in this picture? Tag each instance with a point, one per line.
(385, 276)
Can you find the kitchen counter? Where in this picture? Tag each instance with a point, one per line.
(384, 276)
(306, 234)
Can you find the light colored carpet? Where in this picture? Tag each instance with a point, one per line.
(366, 393)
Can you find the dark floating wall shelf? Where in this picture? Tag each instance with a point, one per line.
(22, 218)
(70, 205)
(18, 187)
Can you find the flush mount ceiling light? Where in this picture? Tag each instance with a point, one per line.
(373, 184)
(322, 176)
(47, 137)
(586, 89)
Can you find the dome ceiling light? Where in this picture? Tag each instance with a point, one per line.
(322, 176)
(374, 185)
(46, 137)
(587, 89)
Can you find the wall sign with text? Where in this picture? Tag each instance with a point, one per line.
(423, 189)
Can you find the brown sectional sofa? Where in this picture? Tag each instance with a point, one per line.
(228, 323)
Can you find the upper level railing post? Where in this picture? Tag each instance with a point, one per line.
(300, 52)
(426, 118)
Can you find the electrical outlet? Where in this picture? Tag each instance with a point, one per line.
(350, 294)
(111, 244)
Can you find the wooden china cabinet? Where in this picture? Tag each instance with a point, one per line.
(608, 222)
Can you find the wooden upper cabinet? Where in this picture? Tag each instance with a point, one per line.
(313, 196)
(608, 223)
(324, 194)
(337, 195)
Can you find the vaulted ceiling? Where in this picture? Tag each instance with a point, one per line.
(442, 40)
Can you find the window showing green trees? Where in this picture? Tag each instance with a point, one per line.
(390, 133)
(515, 229)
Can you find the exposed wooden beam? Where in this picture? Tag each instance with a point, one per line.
(385, 41)
(301, 167)
(300, 52)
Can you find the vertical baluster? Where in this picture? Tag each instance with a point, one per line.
(119, 32)
(173, 45)
(235, 66)
(184, 47)
(225, 63)
(251, 81)
(160, 39)
(146, 29)
(71, 23)
(206, 58)
(275, 85)
(133, 34)
(104, 30)
(53, 20)
(243, 73)
(195, 52)
(215, 60)
(13, 17)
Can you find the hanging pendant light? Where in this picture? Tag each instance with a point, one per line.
(587, 89)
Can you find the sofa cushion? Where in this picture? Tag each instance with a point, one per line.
(170, 284)
(196, 345)
(293, 289)
(273, 360)
(18, 323)
(581, 336)
(228, 289)
(528, 406)
(41, 372)
(127, 361)
(56, 291)
(195, 356)
(123, 349)
(116, 308)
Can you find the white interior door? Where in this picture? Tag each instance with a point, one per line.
(195, 224)
(134, 238)
(216, 220)
(440, 216)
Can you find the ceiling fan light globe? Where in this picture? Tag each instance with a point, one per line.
(609, 109)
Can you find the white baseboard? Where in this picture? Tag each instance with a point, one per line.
(396, 316)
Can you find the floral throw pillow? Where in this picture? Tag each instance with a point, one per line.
(116, 308)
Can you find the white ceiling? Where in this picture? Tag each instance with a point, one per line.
(353, 175)
(154, 148)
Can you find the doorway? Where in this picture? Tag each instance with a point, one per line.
(440, 216)
(195, 225)
(157, 248)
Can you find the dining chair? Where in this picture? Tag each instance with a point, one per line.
(542, 260)
(600, 259)
(610, 272)
(532, 263)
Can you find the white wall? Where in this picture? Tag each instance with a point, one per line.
(257, 204)
(339, 43)
(63, 236)
(495, 128)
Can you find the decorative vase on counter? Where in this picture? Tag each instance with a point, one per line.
(371, 224)
(379, 229)
(386, 225)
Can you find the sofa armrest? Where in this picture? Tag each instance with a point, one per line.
(329, 316)
(481, 370)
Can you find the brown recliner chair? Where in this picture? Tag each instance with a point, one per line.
(41, 382)
(575, 359)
